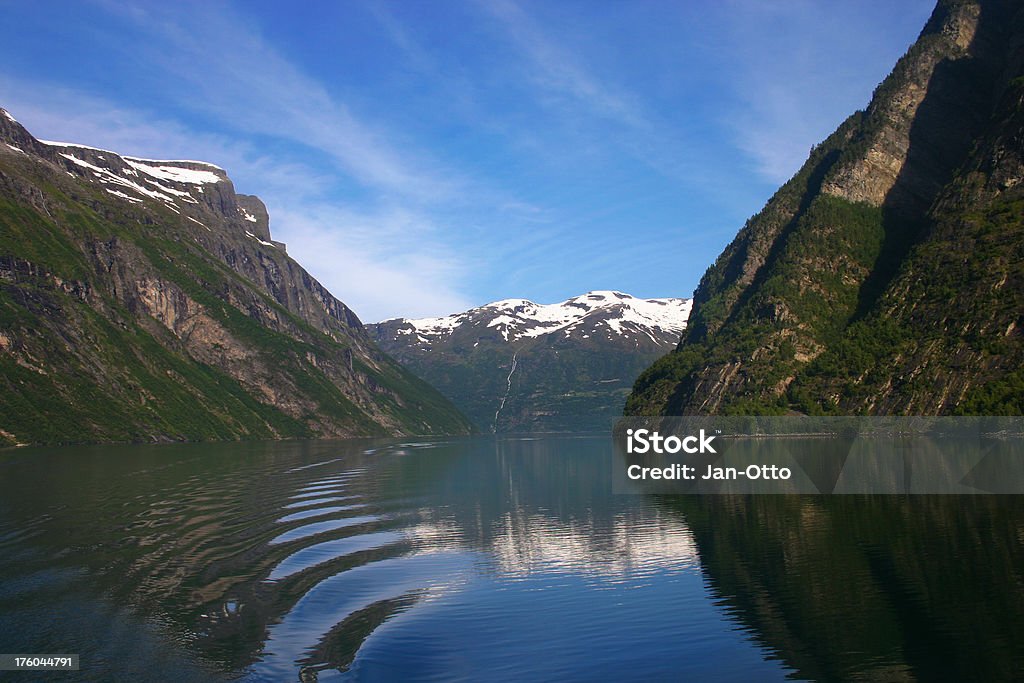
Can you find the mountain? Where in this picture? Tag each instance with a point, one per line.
(517, 366)
(887, 276)
(145, 300)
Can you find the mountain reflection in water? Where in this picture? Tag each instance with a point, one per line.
(481, 558)
(884, 588)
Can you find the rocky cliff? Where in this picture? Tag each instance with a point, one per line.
(886, 276)
(145, 300)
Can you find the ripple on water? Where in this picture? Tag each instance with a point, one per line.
(331, 483)
(308, 626)
(317, 512)
(416, 557)
(314, 494)
(321, 553)
(315, 464)
(325, 526)
(310, 502)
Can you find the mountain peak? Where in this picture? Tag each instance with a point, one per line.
(199, 191)
(515, 319)
(516, 365)
(144, 300)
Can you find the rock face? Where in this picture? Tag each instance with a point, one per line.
(886, 276)
(517, 366)
(145, 300)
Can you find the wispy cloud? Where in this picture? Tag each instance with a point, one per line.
(559, 71)
(800, 67)
(536, 149)
(223, 68)
(383, 263)
(596, 113)
(56, 112)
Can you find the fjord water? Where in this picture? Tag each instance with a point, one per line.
(486, 559)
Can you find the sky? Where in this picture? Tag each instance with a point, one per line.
(421, 157)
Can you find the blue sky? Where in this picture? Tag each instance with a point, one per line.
(422, 157)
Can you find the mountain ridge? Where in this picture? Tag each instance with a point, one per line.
(145, 300)
(564, 315)
(514, 365)
(835, 297)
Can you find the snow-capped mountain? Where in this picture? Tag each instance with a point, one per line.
(144, 300)
(184, 187)
(602, 313)
(515, 365)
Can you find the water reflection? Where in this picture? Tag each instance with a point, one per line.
(871, 588)
(439, 560)
(504, 559)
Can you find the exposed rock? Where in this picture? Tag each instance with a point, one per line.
(882, 277)
(147, 301)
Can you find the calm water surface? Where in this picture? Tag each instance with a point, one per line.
(485, 559)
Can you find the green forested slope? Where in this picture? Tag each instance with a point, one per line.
(887, 275)
(139, 308)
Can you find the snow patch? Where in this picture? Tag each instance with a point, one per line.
(9, 117)
(438, 325)
(159, 164)
(173, 161)
(246, 215)
(51, 143)
(16, 149)
(621, 313)
(269, 244)
(195, 221)
(170, 190)
(152, 188)
(175, 174)
(122, 195)
(106, 176)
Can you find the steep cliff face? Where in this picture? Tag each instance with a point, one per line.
(145, 300)
(885, 277)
